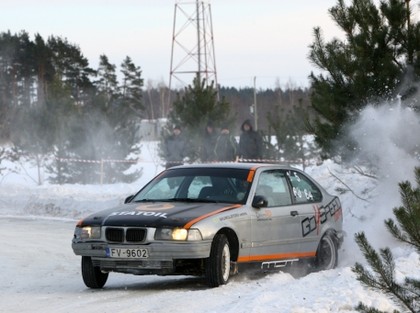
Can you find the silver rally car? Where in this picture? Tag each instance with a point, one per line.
(208, 220)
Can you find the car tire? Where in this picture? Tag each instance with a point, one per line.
(326, 254)
(92, 276)
(218, 264)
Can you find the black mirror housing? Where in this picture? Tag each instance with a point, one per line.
(259, 202)
(128, 199)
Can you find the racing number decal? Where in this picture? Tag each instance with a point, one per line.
(321, 215)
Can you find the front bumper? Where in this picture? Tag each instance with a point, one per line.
(161, 254)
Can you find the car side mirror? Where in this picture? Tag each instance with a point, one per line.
(259, 202)
(128, 199)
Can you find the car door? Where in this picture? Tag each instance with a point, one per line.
(275, 229)
(307, 203)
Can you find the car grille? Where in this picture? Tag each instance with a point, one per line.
(125, 234)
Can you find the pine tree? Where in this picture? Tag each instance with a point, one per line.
(381, 45)
(406, 230)
(107, 83)
(124, 119)
(71, 67)
(132, 87)
(43, 68)
(17, 77)
(28, 127)
(63, 118)
(106, 131)
(194, 109)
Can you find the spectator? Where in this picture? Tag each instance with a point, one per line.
(226, 146)
(209, 141)
(250, 142)
(175, 148)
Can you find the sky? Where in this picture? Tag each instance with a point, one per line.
(261, 43)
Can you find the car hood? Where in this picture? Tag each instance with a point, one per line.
(157, 214)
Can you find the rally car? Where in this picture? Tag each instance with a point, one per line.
(210, 219)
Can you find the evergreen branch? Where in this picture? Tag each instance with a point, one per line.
(365, 309)
(406, 193)
(413, 289)
(395, 231)
(417, 175)
(414, 284)
(384, 267)
(411, 236)
(408, 216)
(365, 276)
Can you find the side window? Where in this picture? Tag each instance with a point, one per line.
(272, 184)
(304, 190)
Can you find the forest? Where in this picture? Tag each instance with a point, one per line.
(54, 106)
(53, 103)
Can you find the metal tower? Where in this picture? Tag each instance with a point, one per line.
(192, 44)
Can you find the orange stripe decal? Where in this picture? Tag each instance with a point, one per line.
(253, 258)
(192, 222)
(250, 175)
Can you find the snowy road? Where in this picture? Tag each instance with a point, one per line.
(40, 273)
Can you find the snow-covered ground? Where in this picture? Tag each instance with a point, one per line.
(40, 273)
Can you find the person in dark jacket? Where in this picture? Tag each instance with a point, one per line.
(226, 146)
(250, 142)
(207, 148)
(175, 148)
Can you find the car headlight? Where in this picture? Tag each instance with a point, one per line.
(178, 234)
(88, 232)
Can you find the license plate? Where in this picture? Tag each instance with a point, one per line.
(127, 253)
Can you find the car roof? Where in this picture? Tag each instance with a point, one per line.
(234, 165)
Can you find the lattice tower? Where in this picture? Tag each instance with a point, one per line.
(193, 52)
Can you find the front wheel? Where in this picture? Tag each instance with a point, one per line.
(327, 254)
(218, 264)
(92, 276)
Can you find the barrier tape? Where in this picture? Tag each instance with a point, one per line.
(96, 161)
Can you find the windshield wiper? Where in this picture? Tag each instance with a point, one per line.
(146, 200)
(178, 200)
(190, 200)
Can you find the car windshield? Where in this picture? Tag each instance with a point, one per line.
(197, 184)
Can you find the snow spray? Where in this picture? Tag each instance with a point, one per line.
(388, 138)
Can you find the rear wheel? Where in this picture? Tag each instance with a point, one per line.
(92, 276)
(326, 255)
(218, 264)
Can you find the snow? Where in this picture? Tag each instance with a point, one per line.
(40, 273)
